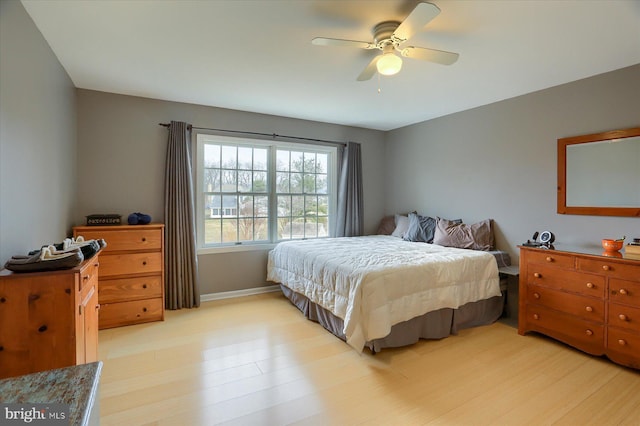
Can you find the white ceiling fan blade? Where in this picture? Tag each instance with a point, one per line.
(417, 19)
(370, 70)
(431, 55)
(321, 41)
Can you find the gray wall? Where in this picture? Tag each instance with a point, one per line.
(121, 158)
(37, 138)
(499, 161)
(496, 161)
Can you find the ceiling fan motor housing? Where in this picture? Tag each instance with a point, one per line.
(383, 34)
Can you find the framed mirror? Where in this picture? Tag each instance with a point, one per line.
(599, 174)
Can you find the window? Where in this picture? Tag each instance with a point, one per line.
(255, 192)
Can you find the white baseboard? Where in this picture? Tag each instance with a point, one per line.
(238, 293)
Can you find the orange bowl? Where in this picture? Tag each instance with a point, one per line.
(611, 245)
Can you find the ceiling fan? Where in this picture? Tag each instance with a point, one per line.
(388, 37)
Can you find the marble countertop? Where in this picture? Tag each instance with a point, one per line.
(76, 386)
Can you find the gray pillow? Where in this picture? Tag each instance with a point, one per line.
(422, 228)
(478, 236)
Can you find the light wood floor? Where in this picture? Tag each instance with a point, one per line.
(257, 361)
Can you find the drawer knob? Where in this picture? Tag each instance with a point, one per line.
(144, 262)
(589, 332)
(144, 309)
(98, 307)
(622, 291)
(622, 342)
(144, 239)
(606, 267)
(549, 259)
(85, 278)
(2, 300)
(536, 316)
(536, 295)
(622, 317)
(537, 274)
(589, 309)
(589, 285)
(42, 328)
(144, 286)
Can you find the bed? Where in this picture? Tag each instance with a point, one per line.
(380, 291)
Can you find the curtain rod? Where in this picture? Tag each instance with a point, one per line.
(271, 135)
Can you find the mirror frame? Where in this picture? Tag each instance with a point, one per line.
(562, 175)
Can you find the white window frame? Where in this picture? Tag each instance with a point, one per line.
(201, 138)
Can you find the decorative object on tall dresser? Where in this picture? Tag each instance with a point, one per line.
(103, 219)
(48, 319)
(583, 298)
(131, 273)
(139, 219)
(612, 191)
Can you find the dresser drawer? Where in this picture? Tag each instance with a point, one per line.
(120, 290)
(585, 307)
(133, 263)
(89, 272)
(584, 335)
(626, 344)
(561, 279)
(127, 240)
(610, 268)
(552, 258)
(624, 316)
(134, 312)
(624, 291)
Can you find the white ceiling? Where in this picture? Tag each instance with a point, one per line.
(256, 55)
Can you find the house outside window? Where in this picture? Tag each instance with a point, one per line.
(252, 192)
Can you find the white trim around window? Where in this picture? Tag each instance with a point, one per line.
(254, 193)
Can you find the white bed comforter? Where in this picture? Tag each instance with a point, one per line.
(374, 282)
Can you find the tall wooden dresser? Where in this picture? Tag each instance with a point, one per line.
(48, 319)
(131, 273)
(585, 299)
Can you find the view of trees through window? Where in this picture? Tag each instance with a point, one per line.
(301, 188)
(237, 193)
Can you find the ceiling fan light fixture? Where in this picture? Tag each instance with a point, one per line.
(389, 64)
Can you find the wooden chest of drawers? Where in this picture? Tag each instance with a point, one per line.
(131, 273)
(588, 301)
(49, 319)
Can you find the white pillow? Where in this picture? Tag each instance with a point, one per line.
(402, 224)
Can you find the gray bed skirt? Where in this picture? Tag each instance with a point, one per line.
(432, 325)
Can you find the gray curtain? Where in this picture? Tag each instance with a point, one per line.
(181, 262)
(350, 215)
